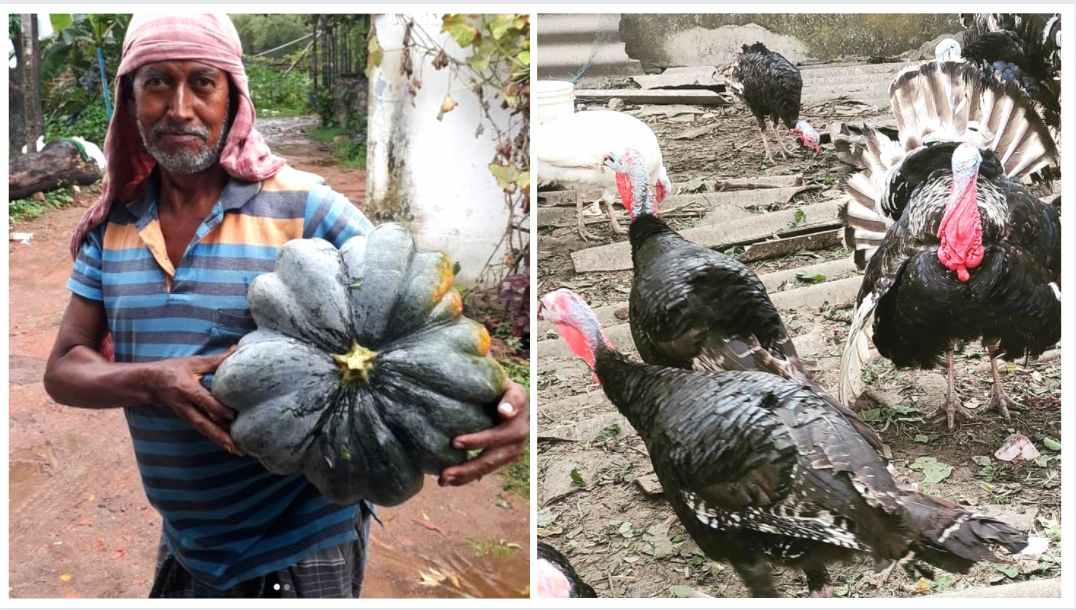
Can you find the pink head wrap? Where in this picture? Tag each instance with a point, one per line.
(210, 39)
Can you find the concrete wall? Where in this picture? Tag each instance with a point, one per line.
(706, 39)
(614, 44)
(432, 174)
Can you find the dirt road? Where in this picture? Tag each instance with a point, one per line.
(80, 525)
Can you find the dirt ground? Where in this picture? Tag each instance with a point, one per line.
(80, 525)
(597, 498)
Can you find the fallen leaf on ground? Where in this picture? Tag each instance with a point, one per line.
(1017, 448)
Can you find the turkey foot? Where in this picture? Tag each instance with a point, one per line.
(999, 400)
(586, 235)
(818, 583)
(785, 151)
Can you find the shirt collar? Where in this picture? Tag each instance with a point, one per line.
(235, 195)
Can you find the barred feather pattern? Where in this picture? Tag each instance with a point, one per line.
(932, 102)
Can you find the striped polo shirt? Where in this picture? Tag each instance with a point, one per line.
(226, 518)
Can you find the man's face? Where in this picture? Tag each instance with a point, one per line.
(182, 112)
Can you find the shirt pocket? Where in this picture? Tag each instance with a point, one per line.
(229, 328)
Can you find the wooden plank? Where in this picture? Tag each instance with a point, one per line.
(684, 77)
(564, 197)
(791, 245)
(656, 96)
(757, 182)
(617, 256)
(617, 313)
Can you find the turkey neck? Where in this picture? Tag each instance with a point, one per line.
(644, 227)
(631, 386)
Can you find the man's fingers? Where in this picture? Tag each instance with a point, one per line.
(512, 431)
(490, 460)
(210, 406)
(201, 365)
(207, 427)
(514, 401)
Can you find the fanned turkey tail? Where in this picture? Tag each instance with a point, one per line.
(954, 540)
(951, 101)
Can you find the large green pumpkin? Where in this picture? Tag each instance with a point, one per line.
(362, 368)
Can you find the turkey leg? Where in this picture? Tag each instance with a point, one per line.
(818, 583)
(953, 407)
(765, 144)
(756, 575)
(613, 224)
(579, 218)
(999, 400)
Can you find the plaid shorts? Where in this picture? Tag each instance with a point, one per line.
(332, 572)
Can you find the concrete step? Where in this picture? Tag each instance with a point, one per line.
(617, 256)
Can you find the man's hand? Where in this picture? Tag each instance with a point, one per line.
(500, 444)
(177, 384)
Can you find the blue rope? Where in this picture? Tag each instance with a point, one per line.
(104, 83)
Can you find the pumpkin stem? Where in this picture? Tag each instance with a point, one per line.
(356, 364)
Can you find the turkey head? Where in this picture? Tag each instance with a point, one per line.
(575, 323)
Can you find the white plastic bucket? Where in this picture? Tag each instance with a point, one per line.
(553, 99)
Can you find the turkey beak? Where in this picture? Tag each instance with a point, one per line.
(610, 162)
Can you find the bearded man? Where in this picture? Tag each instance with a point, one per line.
(194, 206)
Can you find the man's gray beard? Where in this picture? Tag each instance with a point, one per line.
(184, 162)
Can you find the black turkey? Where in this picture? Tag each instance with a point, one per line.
(760, 469)
(690, 306)
(557, 577)
(1024, 48)
(771, 87)
(955, 248)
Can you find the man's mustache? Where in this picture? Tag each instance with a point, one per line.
(165, 128)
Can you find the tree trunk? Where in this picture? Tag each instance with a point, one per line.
(58, 164)
(32, 123)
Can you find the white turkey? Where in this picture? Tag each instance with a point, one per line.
(571, 151)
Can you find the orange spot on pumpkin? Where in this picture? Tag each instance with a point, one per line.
(482, 346)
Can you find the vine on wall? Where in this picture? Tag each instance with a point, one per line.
(497, 72)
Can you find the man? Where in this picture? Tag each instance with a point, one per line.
(194, 206)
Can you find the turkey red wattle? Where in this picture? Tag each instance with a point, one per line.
(627, 197)
(961, 231)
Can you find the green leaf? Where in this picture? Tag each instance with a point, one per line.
(1010, 571)
(524, 180)
(501, 24)
(799, 216)
(524, 58)
(478, 61)
(456, 26)
(1051, 444)
(922, 438)
(60, 21)
(609, 432)
(577, 479)
(811, 278)
(374, 54)
(981, 460)
(933, 470)
(871, 415)
(505, 175)
(682, 591)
